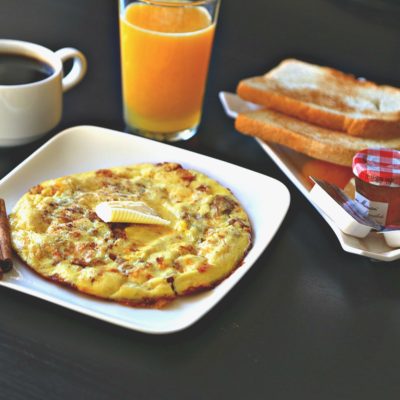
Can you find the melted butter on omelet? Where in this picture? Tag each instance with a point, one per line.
(123, 211)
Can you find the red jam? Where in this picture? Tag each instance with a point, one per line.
(377, 177)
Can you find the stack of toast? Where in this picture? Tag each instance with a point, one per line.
(321, 112)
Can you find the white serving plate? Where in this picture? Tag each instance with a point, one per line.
(373, 246)
(85, 148)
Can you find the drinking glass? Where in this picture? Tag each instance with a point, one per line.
(165, 53)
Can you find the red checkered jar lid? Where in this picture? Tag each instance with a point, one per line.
(380, 167)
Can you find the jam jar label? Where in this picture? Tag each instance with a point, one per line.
(376, 210)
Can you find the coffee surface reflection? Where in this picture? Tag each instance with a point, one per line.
(16, 69)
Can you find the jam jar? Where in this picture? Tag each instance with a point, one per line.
(377, 180)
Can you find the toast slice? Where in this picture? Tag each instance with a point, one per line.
(314, 141)
(327, 97)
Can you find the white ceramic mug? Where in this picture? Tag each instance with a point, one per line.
(30, 110)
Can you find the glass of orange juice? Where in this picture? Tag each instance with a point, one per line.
(165, 52)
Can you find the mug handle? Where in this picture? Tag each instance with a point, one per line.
(79, 66)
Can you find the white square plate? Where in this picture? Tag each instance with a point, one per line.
(85, 148)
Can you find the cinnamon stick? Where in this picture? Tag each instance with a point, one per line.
(5, 240)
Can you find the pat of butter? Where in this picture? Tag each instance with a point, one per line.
(129, 212)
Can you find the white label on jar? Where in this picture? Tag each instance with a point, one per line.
(376, 210)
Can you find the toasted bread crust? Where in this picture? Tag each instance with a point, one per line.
(320, 143)
(328, 98)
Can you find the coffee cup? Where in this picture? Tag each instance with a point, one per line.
(32, 84)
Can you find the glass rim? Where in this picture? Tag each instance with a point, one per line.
(177, 3)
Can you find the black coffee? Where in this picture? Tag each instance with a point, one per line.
(18, 69)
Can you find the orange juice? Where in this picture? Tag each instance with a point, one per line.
(165, 54)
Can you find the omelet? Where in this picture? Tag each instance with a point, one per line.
(55, 230)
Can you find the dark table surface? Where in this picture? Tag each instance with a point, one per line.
(308, 321)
